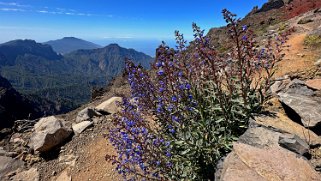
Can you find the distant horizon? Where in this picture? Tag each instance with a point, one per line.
(147, 46)
(124, 22)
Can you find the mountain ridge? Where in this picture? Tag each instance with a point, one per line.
(11, 50)
(34, 68)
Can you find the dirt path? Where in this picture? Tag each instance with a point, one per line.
(93, 163)
(297, 56)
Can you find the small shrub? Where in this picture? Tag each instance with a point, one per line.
(305, 21)
(283, 26)
(184, 114)
(313, 40)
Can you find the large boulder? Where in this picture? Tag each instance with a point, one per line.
(301, 103)
(110, 105)
(250, 163)
(270, 150)
(281, 123)
(87, 114)
(307, 107)
(49, 132)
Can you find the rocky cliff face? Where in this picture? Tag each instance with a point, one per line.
(273, 4)
(14, 106)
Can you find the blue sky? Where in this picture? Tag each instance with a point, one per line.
(106, 21)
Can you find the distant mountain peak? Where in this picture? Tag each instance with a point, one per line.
(113, 44)
(70, 44)
(69, 37)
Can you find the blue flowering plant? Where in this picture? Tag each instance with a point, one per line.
(184, 113)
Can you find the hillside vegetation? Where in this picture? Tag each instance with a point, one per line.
(35, 69)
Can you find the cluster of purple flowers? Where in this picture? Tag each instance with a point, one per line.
(132, 139)
(188, 99)
(143, 131)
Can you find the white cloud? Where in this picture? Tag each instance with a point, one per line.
(43, 11)
(13, 4)
(12, 9)
(16, 7)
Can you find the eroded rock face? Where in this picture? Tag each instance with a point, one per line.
(110, 105)
(49, 132)
(274, 163)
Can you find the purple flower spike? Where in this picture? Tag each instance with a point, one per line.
(161, 72)
(174, 98)
(244, 27)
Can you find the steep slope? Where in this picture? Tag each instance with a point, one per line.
(14, 106)
(69, 44)
(31, 67)
(261, 20)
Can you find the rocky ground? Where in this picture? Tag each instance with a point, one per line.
(283, 144)
(78, 156)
